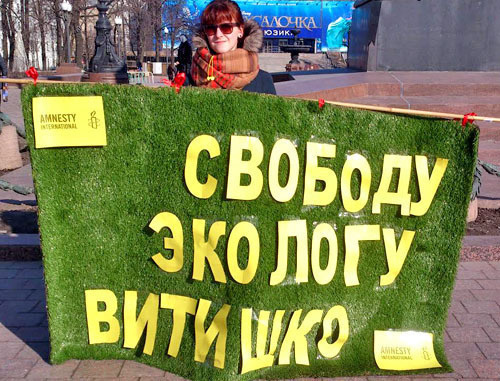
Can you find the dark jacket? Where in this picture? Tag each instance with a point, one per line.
(184, 53)
(252, 40)
(263, 84)
(184, 57)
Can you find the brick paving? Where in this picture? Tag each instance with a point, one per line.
(472, 336)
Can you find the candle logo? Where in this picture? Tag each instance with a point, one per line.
(94, 121)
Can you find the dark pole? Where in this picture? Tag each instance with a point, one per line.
(118, 23)
(106, 65)
(68, 42)
(118, 43)
(124, 50)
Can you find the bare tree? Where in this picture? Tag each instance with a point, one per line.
(148, 19)
(59, 30)
(88, 32)
(138, 22)
(25, 14)
(5, 30)
(155, 8)
(41, 21)
(78, 6)
(8, 32)
(41, 13)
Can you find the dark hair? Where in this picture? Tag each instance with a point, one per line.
(218, 11)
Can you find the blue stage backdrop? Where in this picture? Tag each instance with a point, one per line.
(325, 21)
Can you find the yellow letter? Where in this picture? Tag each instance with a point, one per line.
(288, 229)
(206, 249)
(427, 186)
(401, 196)
(238, 166)
(218, 329)
(354, 234)
(315, 174)
(395, 257)
(297, 335)
(133, 328)
(352, 163)
(247, 230)
(200, 143)
(280, 148)
(325, 348)
(262, 359)
(95, 317)
(324, 231)
(170, 221)
(180, 306)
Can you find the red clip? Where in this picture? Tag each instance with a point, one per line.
(179, 80)
(32, 73)
(321, 103)
(465, 119)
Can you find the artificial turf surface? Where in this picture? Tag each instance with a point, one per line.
(95, 204)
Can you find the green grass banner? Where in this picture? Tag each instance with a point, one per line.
(223, 235)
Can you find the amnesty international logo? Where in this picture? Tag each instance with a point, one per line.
(94, 122)
(69, 121)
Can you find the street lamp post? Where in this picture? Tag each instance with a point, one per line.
(106, 65)
(66, 9)
(167, 55)
(166, 45)
(118, 23)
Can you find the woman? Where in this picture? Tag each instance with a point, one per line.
(226, 51)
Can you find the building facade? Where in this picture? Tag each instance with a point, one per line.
(323, 24)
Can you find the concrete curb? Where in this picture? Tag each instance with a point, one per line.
(488, 204)
(481, 241)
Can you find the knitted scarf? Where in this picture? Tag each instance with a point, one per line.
(231, 70)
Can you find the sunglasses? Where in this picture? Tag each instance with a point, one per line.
(226, 28)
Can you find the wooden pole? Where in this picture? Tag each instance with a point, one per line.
(395, 110)
(30, 81)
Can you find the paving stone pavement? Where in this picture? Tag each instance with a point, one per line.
(472, 336)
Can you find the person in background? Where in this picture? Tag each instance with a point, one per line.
(184, 58)
(226, 51)
(5, 72)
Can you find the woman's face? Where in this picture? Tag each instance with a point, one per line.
(223, 43)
